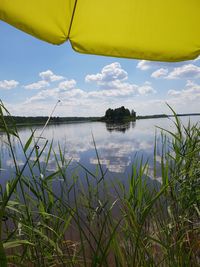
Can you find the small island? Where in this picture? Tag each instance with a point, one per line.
(121, 114)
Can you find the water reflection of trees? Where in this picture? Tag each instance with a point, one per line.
(119, 127)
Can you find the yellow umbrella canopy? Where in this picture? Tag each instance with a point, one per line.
(143, 29)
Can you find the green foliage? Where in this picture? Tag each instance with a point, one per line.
(119, 115)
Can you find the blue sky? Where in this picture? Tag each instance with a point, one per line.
(35, 74)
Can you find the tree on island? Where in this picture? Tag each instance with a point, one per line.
(119, 115)
(133, 113)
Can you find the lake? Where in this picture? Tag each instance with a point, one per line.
(118, 146)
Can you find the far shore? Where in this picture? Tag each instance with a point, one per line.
(28, 121)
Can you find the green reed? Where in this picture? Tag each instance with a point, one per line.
(92, 222)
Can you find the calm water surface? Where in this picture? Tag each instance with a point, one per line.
(118, 146)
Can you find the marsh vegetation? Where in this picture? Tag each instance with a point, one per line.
(92, 222)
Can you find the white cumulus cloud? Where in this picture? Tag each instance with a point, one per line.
(174, 92)
(147, 65)
(187, 71)
(36, 86)
(160, 73)
(112, 80)
(191, 92)
(144, 65)
(49, 76)
(146, 90)
(109, 73)
(43, 95)
(68, 84)
(5, 84)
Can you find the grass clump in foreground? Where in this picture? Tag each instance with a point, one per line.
(86, 224)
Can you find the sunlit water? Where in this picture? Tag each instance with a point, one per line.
(118, 146)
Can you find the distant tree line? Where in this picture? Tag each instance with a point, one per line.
(121, 114)
(42, 119)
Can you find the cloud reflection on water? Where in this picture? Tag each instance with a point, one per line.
(116, 145)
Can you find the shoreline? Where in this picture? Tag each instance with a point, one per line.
(72, 120)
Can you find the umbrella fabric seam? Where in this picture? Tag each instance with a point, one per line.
(72, 18)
